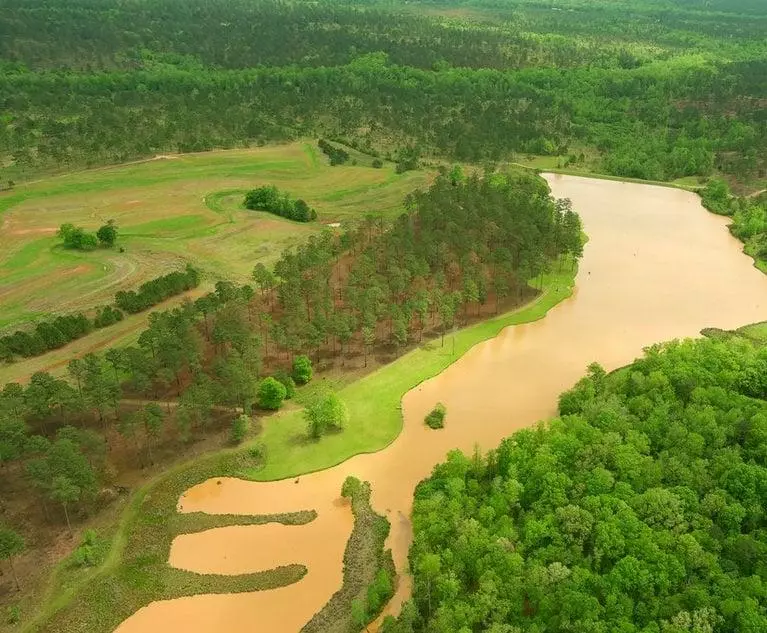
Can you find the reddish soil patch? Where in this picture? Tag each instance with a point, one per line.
(47, 230)
(77, 270)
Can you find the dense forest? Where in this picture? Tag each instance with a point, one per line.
(466, 247)
(641, 508)
(656, 90)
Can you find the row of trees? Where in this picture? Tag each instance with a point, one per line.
(53, 334)
(337, 155)
(57, 332)
(106, 316)
(46, 336)
(641, 508)
(269, 198)
(157, 290)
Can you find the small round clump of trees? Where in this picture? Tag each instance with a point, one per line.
(77, 238)
(302, 369)
(435, 419)
(271, 393)
(272, 200)
(324, 414)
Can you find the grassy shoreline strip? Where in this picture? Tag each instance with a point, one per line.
(374, 401)
(126, 582)
(368, 568)
(670, 184)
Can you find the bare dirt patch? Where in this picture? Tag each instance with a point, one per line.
(46, 230)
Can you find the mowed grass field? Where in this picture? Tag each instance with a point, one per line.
(173, 210)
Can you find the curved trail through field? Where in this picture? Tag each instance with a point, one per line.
(121, 269)
(657, 266)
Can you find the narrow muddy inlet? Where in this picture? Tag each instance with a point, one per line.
(657, 266)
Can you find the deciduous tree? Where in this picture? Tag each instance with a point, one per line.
(11, 545)
(271, 393)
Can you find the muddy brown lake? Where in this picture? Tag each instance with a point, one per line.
(657, 266)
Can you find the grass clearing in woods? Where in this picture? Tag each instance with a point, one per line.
(170, 211)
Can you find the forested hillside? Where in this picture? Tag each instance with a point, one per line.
(656, 90)
(640, 509)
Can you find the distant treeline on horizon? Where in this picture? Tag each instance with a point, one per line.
(640, 96)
